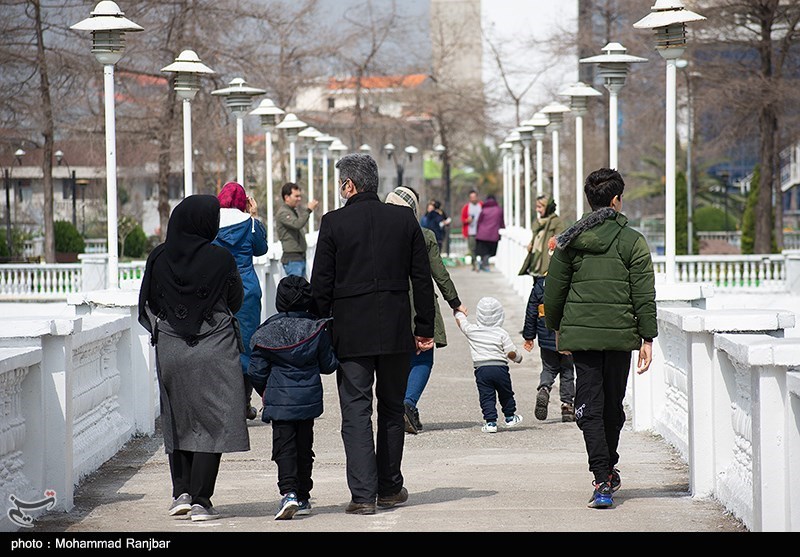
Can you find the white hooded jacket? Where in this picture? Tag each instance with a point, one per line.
(489, 343)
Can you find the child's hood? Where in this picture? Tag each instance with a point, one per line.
(490, 312)
(595, 232)
(287, 330)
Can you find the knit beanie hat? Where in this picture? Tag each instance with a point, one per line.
(294, 294)
(403, 197)
(490, 312)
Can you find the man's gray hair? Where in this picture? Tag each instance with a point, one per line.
(361, 170)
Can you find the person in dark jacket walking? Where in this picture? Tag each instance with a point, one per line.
(554, 364)
(290, 350)
(367, 253)
(190, 291)
(600, 299)
(490, 222)
(242, 234)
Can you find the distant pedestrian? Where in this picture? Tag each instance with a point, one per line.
(368, 253)
(600, 299)
(487, 236)
(434, 220)
(290, 350)
(290, 226)
(190, 291)
(491, 347)
(554, 364)
(242, 234)
(469, 225)
(422, 362)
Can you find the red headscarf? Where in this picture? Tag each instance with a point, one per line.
(233, 196)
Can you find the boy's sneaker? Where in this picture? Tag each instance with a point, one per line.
(601, 498)
(567, 412)
(181, 505)
(542, 400)
(288, 507)
(303, 508)
(201, 513)
(489, 427)
(410, 418)
(614, 479)
(511, 421)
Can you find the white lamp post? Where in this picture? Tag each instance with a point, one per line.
(108, 26)
(614, 66)
(505, 148)
(187, 68)
(516, 148)
(325, 141)
(238, 98)
(337, 148)
(578, 99)
(539, 123)
(669, 18)
(292, 125)
(526, 134)
(309, 136)
(410, 151)
(366, 149)
(269, 114)
(555, 112)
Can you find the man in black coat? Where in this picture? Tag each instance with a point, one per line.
(366, 253)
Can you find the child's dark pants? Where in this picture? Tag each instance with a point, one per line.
(292, 443)
(491, 380)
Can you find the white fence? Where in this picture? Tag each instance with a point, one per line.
(730, 272)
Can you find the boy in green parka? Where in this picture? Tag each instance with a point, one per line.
(600, 299)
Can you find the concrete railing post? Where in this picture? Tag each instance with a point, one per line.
(792, 271)
(94, 271)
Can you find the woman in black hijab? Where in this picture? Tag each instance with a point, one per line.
(190, 292)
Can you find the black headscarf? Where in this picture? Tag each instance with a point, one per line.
(185, 276)
(294, 294)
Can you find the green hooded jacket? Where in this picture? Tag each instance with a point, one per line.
(538, 259)
(600, 288)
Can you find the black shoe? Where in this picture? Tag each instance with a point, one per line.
(410, 420)
(252, 413)
(360, 508)
(567, 412)
(542, 400)
(390, 501)
(417, 423)
(614, 479)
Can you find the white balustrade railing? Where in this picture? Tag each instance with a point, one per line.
(95, 245)
(730, 272)
(130, 274)
(39, 282)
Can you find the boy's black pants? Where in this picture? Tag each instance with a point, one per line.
(494, 382)
(599, 390)
(292, 443)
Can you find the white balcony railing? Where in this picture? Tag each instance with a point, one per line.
(730, 272)
(39, 282)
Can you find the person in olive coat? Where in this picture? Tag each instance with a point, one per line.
(422, 363)
(367, 252)
(600, 299)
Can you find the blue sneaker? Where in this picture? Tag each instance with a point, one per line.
(303, 508)
(602, 497)
(288, 507)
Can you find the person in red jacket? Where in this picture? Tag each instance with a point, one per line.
(469, 225)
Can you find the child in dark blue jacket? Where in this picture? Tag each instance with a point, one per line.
(290, 350)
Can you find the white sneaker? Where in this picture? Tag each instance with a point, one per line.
(511, 421)
(489, 427)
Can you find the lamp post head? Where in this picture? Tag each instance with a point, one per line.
(365, 149)
(309, 135)
(439, 148)
(292, 125)
(579, 94)
(59, 156)
(238, 95)
(18, 154)
(539, 122)
(389, 150)
(613, 65)
(337, 146)
(411, 151)
(325, 141)
(669, 18)
(504, 147)
(187, 68)
(108, 26)
(515, 139)
(525, 132)
(555, 112)
(269, 113)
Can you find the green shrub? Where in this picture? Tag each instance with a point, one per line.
(712, 219)
(68, 239)
(136, 243)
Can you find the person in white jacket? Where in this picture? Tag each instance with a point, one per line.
(491, 348)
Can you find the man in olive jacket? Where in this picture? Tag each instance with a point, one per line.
(600, 299)
(366, 254)
(290, 224)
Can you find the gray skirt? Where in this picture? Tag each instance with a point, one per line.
(202, 389)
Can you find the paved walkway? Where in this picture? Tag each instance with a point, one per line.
(533, 478)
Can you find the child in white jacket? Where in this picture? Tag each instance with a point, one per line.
(491, 347)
